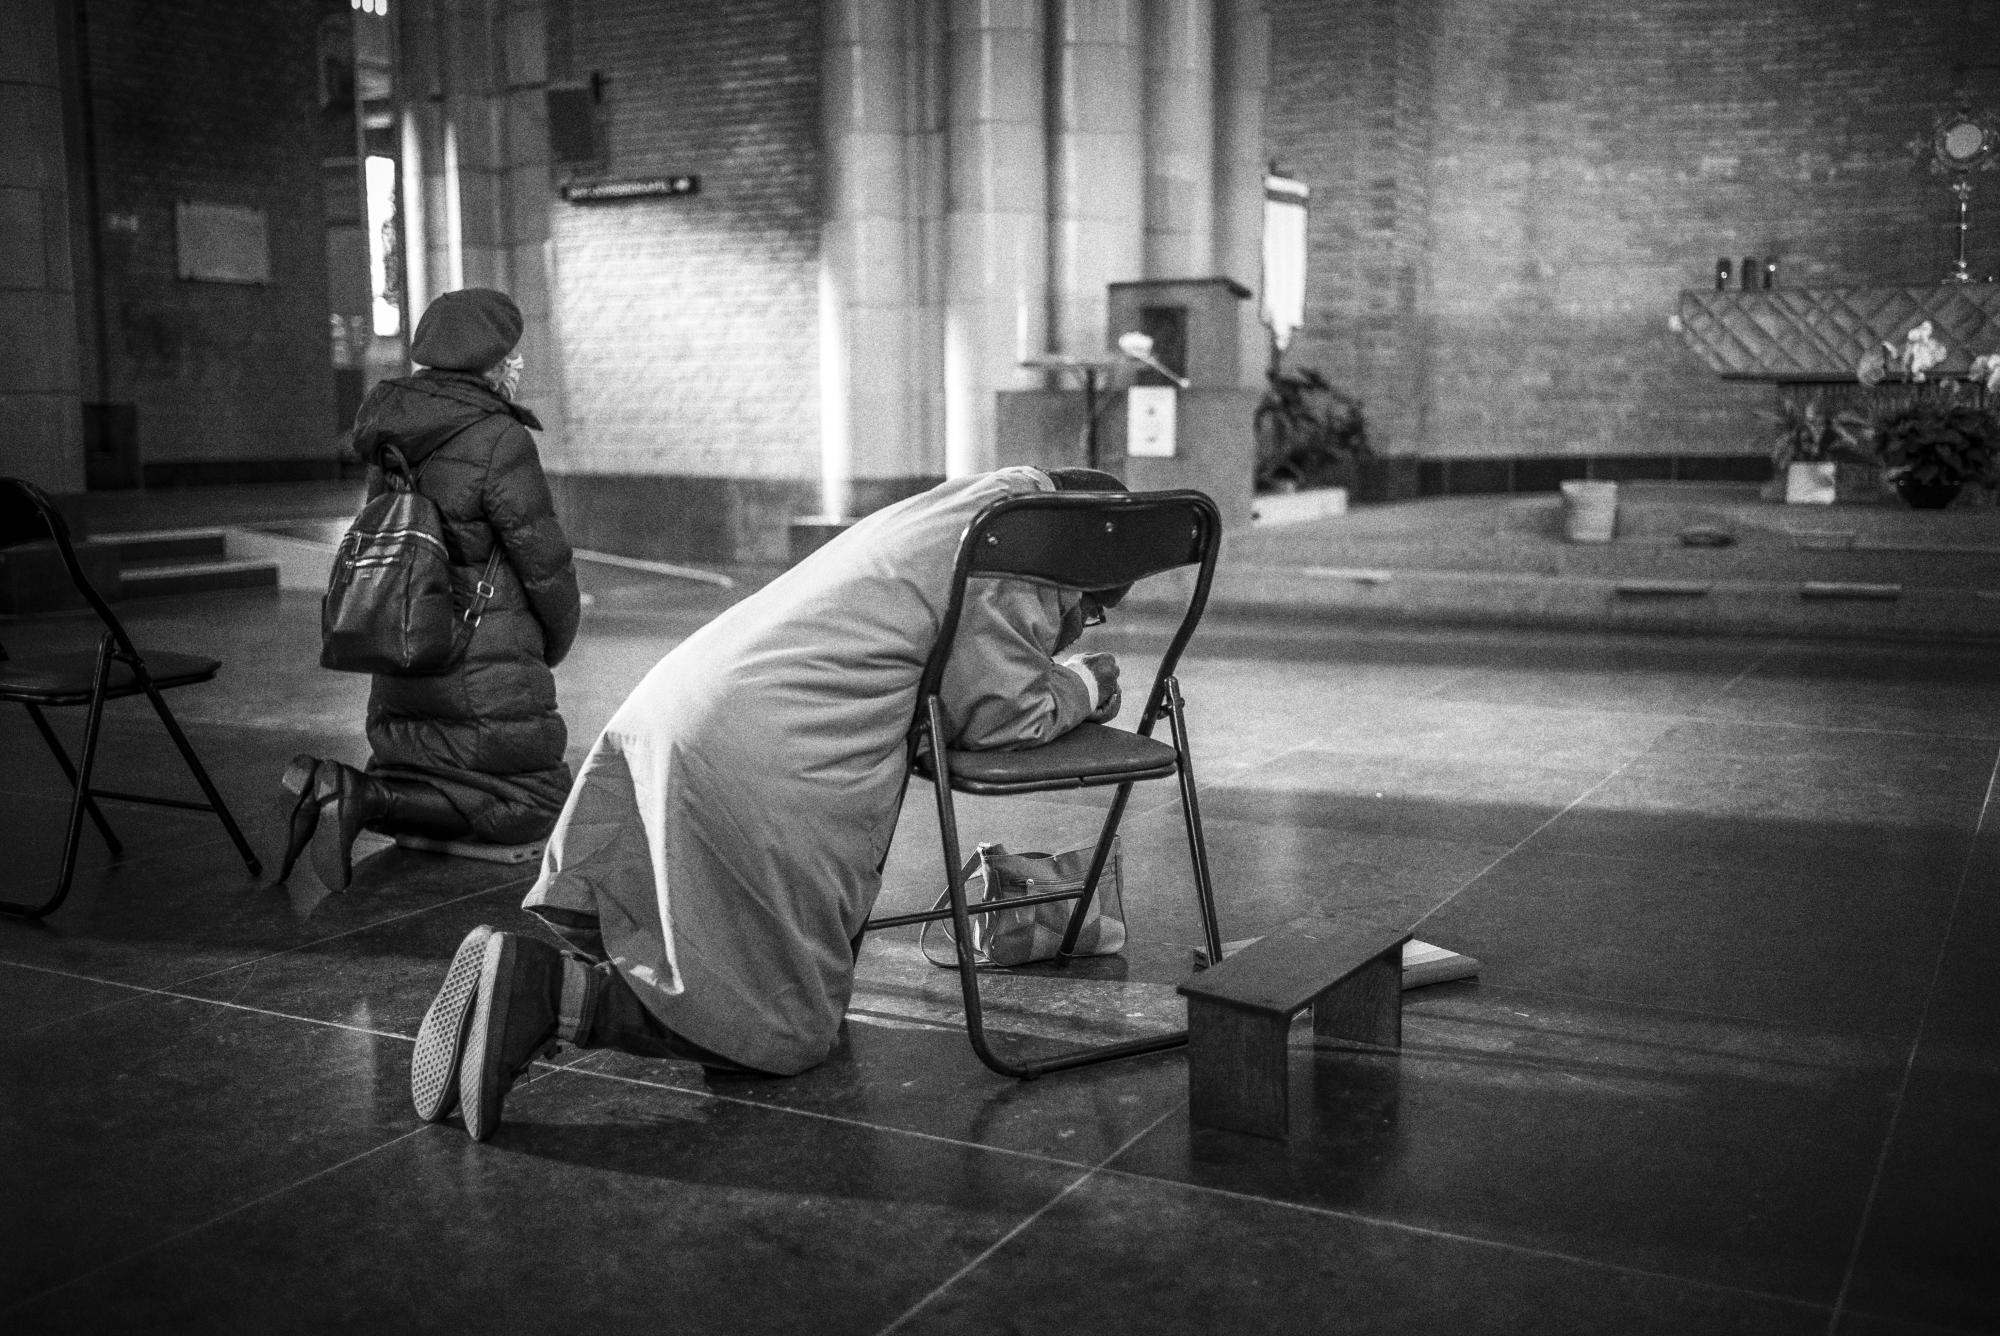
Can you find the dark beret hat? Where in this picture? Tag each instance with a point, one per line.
(467, 330)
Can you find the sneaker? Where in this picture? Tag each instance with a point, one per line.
(441, 1038)
(513, 1022)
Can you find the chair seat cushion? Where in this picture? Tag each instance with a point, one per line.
(65, 679)
(1088, 755)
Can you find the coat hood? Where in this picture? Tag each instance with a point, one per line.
(417, 414)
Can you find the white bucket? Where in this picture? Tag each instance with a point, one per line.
(1812, 484)
(1590, 510)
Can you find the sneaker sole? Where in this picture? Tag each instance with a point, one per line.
(441, 1038)
(481, 1083)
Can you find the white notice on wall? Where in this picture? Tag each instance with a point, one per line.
(222, 243)
(1149, 421)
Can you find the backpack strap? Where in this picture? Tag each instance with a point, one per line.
(482, 592)
(396, 470)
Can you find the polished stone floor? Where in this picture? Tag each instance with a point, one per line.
(1733, 1063)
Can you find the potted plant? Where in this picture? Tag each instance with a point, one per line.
(1931, 445)
(1309, 435)
(1809, 445)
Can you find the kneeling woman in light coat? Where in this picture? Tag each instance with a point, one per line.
(721, 848)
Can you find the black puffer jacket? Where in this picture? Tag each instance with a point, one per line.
(487, 733)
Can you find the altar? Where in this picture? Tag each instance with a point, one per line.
(1819, 335)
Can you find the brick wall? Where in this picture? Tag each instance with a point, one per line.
(215, 101)
(689, 325)
(1509, 194)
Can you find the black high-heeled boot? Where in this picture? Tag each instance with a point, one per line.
(298, 809)
(348, 801)
(351, 801)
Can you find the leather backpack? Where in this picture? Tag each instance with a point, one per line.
(388, 606)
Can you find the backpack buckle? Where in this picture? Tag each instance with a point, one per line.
(484, 590)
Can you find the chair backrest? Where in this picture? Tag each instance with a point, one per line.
(28, 516)
(1087, 541)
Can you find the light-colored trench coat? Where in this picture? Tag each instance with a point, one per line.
(729, 825)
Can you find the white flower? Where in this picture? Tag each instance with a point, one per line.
(1986, 368)
(1921, 351)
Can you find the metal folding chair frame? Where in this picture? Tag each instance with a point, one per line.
(113, 647)
(1052, 537)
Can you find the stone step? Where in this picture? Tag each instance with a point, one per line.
(169, 579)
(166, 545)
(1809, 608)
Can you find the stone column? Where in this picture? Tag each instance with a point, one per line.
(929, 101)
(867, 260)
(524, 202)
(1243, 71)
(1097, 170)
(996, 247)
(1180, 139)
(40, 396)
(476, 160)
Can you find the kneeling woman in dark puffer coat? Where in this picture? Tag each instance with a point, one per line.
(477, 752)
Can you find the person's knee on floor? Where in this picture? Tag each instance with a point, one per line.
(509, 998)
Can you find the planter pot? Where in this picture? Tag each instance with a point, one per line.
(1314, 503)
(1590, 511)
(1927, 495)
(1859, 484)
(1812, 484)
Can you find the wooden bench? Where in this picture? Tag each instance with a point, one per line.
(1349, 970)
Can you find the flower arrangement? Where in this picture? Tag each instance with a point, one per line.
(1308, 434)
(1805, 431)
(1938, 443)
(1986, 370)
(1911, 360)
(1932, 438)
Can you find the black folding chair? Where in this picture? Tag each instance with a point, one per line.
(1087, 541)
(85, 677)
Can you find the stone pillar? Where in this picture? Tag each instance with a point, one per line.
(1097, 169)
(928, 139)
(996, 247)
(868, 263)
(1180, 139)
(1243, 71)
(524, 202)
(476, 163)
(40, 396)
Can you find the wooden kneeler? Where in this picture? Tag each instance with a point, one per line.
(1349, 970)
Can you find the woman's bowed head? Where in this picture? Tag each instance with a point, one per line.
(472, 329)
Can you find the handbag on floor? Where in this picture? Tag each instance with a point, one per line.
(1008, 937)
(388, 606)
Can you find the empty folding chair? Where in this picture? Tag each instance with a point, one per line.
(89, 678)
(1090, 541)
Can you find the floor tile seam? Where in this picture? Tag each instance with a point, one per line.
(1910, 1056)
(1756, 662)
(1021, 1227)
(238, 1209)
(1694, 864)
(146, 990)
(1472, 1240)
(858, 1124)
(1517, 1062)
(1662, 1009)
(372, 926)
(1523, 842)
